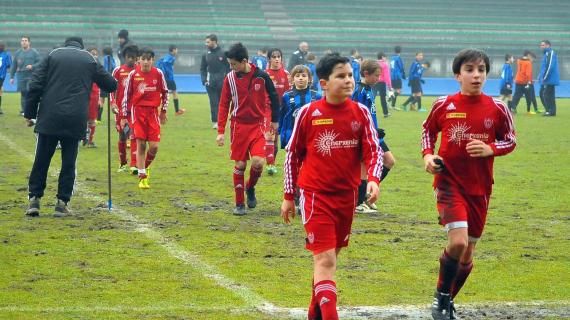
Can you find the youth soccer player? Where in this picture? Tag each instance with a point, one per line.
(416, 72)
(475, 129)
(330, 139)
(109, 66)
(397, 73)
(93, 108)
(524, 85)
(244, 93)
(260, 60)
(506, 83)
(280, 78)
(384, 84)
(166, 65)
(5, 63)
(123, 124)
(370, 72)
(145, 93)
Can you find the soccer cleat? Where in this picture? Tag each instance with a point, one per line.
(422, 110)
(364, 208)
(215, 125)
(251, 199)
(530, 113)
(143, 183)
(61, 209)
(239, 210)
(180, 112)
(271, 170)
(91, 145)
(134, 170)
(148, 174)
(123, 168)
(387, 115)
(33, 207)
(442, 307)
(371, 206)
(538, 111)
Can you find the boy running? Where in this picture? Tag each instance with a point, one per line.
(475, 128)
(330, 139)
(166, 65)
(244, 93)
(145, 92)
(397, 73)
(506, 83)
(416, 72)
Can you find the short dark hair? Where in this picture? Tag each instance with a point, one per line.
(380, 55)
(172, 47)
(123, 34)
(508, 56)
(146, 51)
(397, 49)
(237, 52)
(108, 51)
(27, 37)
(547, 42)
(528, 53)
(212, 37)
(78, 40)
(328, 62)
(369, 66)
(131, 50)
(469, 55)
(272, 50)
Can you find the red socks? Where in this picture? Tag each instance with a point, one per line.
(122, 152)
(133, 152)
(253, 177)
(325, 295)
(314, 310)
(238, 186)
(448, 267)
(149, 157)
(91, 133)
(462, 274)
(270, 152)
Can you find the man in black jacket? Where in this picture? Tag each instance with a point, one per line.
(61, 85)
(213, 70)
(124, 41)
(298, 57)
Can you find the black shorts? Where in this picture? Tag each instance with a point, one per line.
(380, 89)
(384, 146)
(171, 85)
(416, 85)
(506, 91)
(397, 83)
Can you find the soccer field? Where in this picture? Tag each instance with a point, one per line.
(176, 252)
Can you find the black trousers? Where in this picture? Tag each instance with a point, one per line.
(381, 91)
(23, 88)
(548, 98)
(529, 95)
(214, 94)
(45, 148)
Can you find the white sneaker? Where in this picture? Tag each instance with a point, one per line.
(361, 208)
(214, 125)
(372, 206)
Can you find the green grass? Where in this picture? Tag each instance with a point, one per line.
(82, 267)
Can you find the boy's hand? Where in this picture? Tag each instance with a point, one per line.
(430, 165)
(162, 117)
(114, 108)
(479, 149)
(288, 210)
(220, 139)
(372, 191)
(275, 125)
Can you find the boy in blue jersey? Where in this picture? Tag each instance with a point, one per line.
(397, 73)
(260, 60)
(166, 64)
(109, 66)
(311, 59)
(506, 83)
(5, 63)
(416, 72)
(355, 63)
(364, 94)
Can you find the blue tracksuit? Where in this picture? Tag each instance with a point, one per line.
(397, 68)
(549, 68)
(260, 62)
(166, 65)
(355, 70)
(5, 63)
(506, 76)
(292, 101)
(109, 63)
(364, 94)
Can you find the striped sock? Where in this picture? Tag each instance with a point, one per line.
(325, 292)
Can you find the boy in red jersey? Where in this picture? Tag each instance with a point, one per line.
(330, 138)
(93, 108)
(280, 78)
(121, 123)
(475, 128)
(145, 92)
(244, 93)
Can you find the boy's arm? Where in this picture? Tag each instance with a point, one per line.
(401, 63)
(371, 151)
(506, 138)
(431, 128)
(36, 89)
(164, 91)
(204, 69)
(103, 79)
(126, 95)
(112, 94)
(296, 150)
(224, 106)
(283, 110)
(14, 66)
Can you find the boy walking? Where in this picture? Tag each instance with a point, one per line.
(475, 129)
(244, 93)
(397, 73)
(5, 63)
(506, 83)
(166, 65)
(145, 92)
(330, 139)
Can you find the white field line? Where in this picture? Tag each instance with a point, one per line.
(253, 300)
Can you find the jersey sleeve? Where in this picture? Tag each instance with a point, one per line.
(224, 106)
(272, 93)
(506, 138)
(127, 98)
(431, 128)
(371, 152)
(163, 91)
(295, 153)
(113, 94)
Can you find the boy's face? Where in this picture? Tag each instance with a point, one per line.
(146, 62)
(238, 66)
(301, 80)
(94, 53)
(275, 61)
(471, 77)
(340, 83)
(419, 56)
(174, 52)
(130, 60)
(371, 78)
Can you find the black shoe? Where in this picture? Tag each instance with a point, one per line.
(239, 210)
(251, 199)
(61, 209)
(442, 307)
(33, 207)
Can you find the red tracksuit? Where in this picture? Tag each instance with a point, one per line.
(94, 102)
(121, 73)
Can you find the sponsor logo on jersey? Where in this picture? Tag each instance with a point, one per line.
(326, 142)
(311, 238)
(320, 122)
(141, 87)
(138, 78)
(456, 115)
(459, 132)
(316, 113)
(451, 106)
(488, 123)
(355, 125)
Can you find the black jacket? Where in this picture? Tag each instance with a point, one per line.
(61, 86)
(298, 57)
(214, 67)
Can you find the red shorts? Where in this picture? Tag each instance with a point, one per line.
(458, 210)
(327, 219)
(145, 123)
(93, 108)
(247, 140)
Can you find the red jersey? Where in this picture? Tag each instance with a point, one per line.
(327, 146)
(120, 73)
(145, 89)
(247, 94)
(94, 97)
(280, 80)
(461, 118)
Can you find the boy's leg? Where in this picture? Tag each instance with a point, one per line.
(141, 155)
(91, 124)
(151, 154)
(325, 295)
(465, 267)
(269, 148)
(239, 182)
(388, 161)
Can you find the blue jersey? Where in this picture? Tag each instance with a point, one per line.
(364, 94)
(397, 68)
(549, 68)
(355, 69)
(506, 76)
(5, 63)
(416, 70)
(166, 65)
(292, 101)
(109, 63)
(260, 62)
